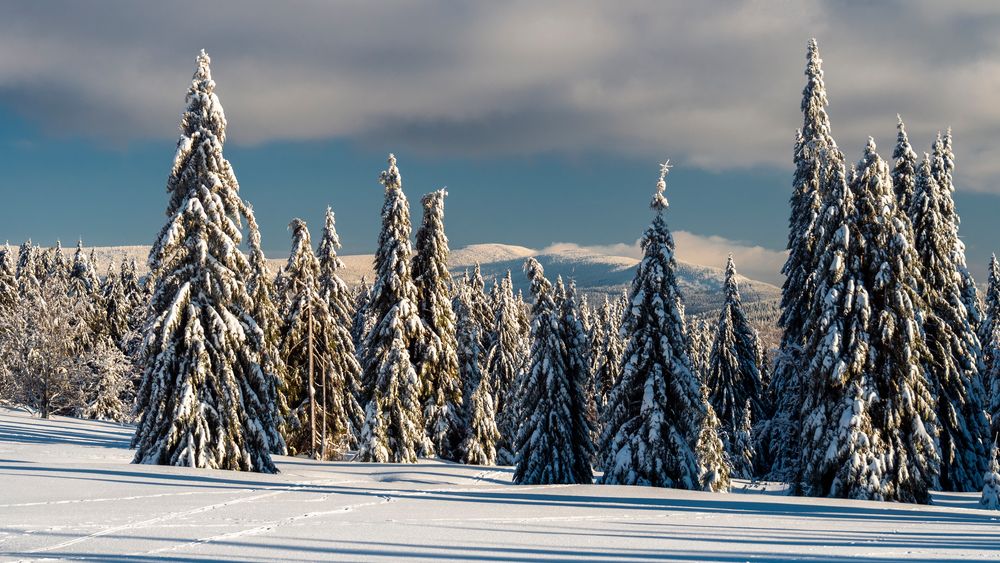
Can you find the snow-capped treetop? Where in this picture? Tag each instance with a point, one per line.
(660, 203)
(905, 170)
(816, 123)
(331, 286)
(328, 245)
(991, 313)
(83, 272)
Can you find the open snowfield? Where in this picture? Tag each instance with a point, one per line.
(67, 491)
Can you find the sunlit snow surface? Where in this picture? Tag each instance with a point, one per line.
(67, 491)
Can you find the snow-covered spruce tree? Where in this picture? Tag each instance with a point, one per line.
(993, 376)
(838, 437)
(576, 348)
(553, 424)
(904, 171)
(438, 367)
(317, 421)
(394, 426)
(483, 312)
(701, 335)
(944, 170)
(9, 297)
(990, 498)
(953, 364)
(265, 383)
(608, 365)
(117, 308)
(57, 268)
(202, 343)
(505, 364)
(658, 427)
(902, 405)
(361, 322)
(338, 298)
(482, 435)
(110, 392)
(734, 377)
(28, 283)
(83, 278)
(989, 329)
(813, 140)
(470, 355)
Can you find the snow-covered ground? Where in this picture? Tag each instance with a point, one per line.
(67, 491)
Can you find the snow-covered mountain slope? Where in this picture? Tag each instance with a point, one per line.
(595, 274)
(69, 493)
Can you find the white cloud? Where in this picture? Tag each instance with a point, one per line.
(753, 261)
(713, 84)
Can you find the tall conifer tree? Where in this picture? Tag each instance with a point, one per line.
(734, 377)
(953, 363)
(339, 300)
(811, 175)
(548, 448)
(902, 406)
(202, 345)
(394, 427)
(658, 425)
(438, 365)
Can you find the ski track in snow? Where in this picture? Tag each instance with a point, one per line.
(151, 521)
(67, 498)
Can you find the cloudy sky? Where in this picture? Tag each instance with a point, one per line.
(545, 120)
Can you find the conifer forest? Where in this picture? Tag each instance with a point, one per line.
(874, 377)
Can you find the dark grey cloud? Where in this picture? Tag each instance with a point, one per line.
(713, 84)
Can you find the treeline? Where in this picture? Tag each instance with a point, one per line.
(69, 338)
(884, 385)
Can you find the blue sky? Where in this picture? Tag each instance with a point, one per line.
(545, 123)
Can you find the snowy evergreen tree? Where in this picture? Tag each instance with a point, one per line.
(838, 437)
(734, 377)
(117, 308)
(904, 173)
(111, 393)
(338, 298)
(470, 354)
(576, 348)
(57, 268)
(658, 427)
(989, 329)
(902, 406)
(943, 169)
(479, 445)
(812, 171)
(9, 298)
(28, 283)
(953, 363)
(319, 406)
(611, 348)
(362, 321)
(505, 364)
(202, 345)
(394, 427)
(271, 377)
(438, 366)
(990, 500)
(549, 448)
(83, 278)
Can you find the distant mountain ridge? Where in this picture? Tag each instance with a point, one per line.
(595, 274)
